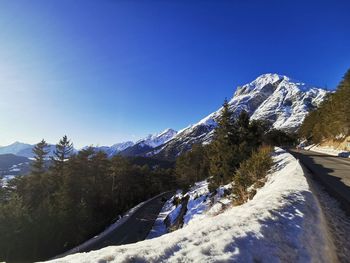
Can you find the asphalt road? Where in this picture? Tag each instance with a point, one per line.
(332, 171)
(135, 229)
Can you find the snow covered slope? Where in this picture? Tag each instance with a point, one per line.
(282, 223)
(154, 140)
(147, 144)
(271, 97)
(115, 148)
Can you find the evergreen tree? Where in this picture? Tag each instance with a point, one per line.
(332, 118)
(222, 152)
(343, 96)
(63, 151)
(62, 212)
(40, 152)
(192, 166)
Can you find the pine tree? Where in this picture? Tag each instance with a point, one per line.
(332, 117)
(343, 96)
(223, 154)
(192, 166)
(40, 152)
(242, 126)
(63, 151)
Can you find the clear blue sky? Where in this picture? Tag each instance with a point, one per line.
(106, 71)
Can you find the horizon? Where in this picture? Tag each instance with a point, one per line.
(169, 128)
(109, 72)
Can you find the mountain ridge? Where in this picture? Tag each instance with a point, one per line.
(273, 97)
(277, 98)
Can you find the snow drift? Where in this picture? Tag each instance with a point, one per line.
(282, 223)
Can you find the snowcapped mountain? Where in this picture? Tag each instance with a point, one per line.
(154, 140)
(118, 147)
(276, 98)
(141, 147)
(115, 148)
(127, 148)
(24, 149)
(147, 144)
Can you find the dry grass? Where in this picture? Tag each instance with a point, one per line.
(251, 174)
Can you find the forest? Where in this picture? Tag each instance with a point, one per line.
(57, 207)
(71, 197)
(331, 120)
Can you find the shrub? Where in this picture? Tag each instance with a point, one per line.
(251, 174)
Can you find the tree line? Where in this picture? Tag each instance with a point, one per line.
(225, 158)
(331, 120)
(71, 197)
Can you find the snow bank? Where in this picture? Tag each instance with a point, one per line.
(159, 227)
(282, 223)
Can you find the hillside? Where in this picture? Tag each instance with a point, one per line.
(329, 124)
(283, 221)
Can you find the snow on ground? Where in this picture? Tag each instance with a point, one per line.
(159, 227)
(200, 205)
(5, 179)
(328, 150)
(282, 223)
(198, 202)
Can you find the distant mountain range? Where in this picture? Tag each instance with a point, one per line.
(128, 148)
(276, 98)
(144, 146)
(23, 149)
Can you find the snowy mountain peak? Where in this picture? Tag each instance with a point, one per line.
(154, 140)
(276, 98)
(268, 83)
(269, 78)
(259, 84)
(168, 131)
(122, 146)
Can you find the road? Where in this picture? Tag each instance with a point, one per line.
(135, 229)
(332, 171)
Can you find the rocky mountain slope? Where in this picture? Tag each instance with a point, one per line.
(146, 145)
(115, 148)
(276, 98)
